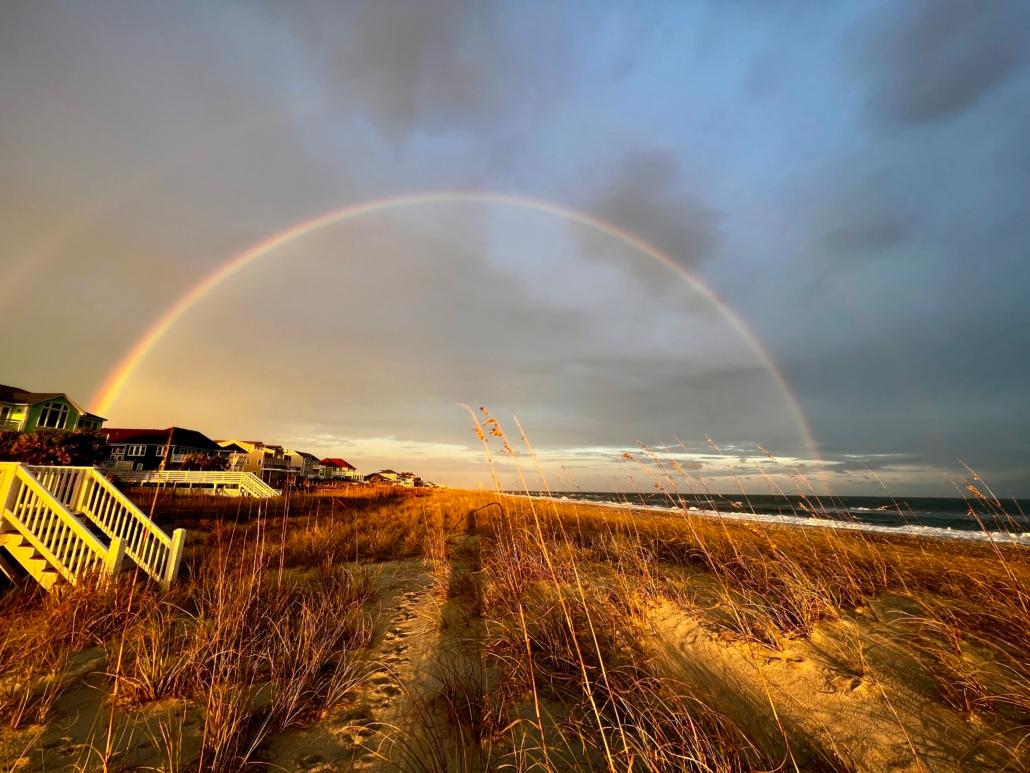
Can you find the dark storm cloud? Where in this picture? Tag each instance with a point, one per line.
(647, 195)
(930, 60)
(862, 216)
(416, 66)
(655, 399)
(871, 232)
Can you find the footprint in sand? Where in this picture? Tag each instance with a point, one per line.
(844, 683)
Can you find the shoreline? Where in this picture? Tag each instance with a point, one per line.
(909, 530)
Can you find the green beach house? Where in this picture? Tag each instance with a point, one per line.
(24, 411)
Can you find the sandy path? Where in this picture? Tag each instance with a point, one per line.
(359, 736)
(404, 715)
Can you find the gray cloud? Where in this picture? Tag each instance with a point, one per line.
(927, 61)
(646, 195)
(414, 66)
(872, 232)
(862, 216)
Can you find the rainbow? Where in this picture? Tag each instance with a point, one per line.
(116, 380)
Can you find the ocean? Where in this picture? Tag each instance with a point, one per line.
(947, 517)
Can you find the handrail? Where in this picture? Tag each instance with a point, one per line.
(246, 482)
(63, 483)
(87, 491)
(155, 552)
(257, 487)
(57, 535)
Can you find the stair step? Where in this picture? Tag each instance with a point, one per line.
(95, 530)
(30, 559)
(48, 578)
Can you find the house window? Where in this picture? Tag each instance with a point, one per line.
(118, 453)
(136, 451)
(53, 416)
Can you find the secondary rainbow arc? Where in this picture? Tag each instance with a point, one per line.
(119, 376)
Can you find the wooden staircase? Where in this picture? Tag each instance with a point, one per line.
(62, 524)
(240, 484)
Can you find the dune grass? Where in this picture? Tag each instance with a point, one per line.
(548, 614)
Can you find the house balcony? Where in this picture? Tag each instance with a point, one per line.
(10, 425)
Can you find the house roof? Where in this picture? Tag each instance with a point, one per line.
(249, 445)
(388, 472)
(234, 448)
(19, 396)
(188, 438)
(337, 462)
(308, 456)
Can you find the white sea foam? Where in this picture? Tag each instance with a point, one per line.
(933, 532)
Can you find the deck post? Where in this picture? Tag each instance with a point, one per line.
(174, 557)
(115, 556)
(85, 480)
(8, 487)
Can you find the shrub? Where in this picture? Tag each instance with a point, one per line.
(54, 446)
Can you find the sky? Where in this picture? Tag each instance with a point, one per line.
(761, 243)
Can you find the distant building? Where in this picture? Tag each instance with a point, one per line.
(268, 462)
(147, 449)
(409, 479)
(24, 411)
(294, 464)
(312, 467)
(237, 455)
(334, 468)
(384, 476)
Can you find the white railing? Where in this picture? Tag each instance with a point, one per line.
(85, 490)
(242, 483)
(60, 538)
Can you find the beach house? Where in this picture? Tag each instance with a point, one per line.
(339, 469)
(25, 411)
(409, 479)
(153, 449)
(312, 466)
(383, 476)
(268, 462)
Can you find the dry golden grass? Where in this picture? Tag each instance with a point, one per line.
(569, 581)
(545, 615)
